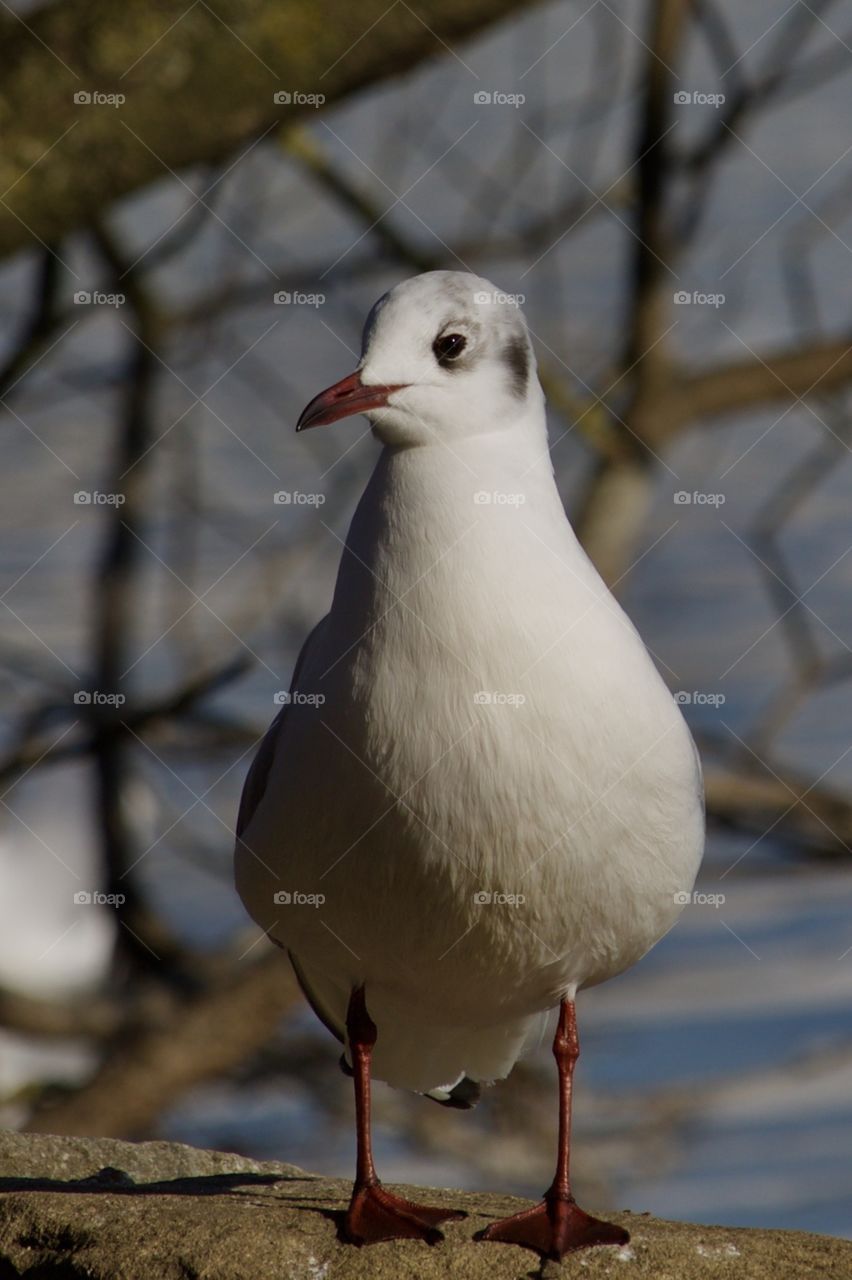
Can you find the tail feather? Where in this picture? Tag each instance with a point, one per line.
(463, 1095)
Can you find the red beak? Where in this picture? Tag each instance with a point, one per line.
(346, 397)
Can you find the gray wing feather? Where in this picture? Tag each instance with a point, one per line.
(258, 774)
(253, 789)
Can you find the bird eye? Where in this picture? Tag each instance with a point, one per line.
(448, 347)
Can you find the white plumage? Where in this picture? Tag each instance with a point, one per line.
(393, 796)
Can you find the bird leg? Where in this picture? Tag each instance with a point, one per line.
(557, 1225)
(374, 1213)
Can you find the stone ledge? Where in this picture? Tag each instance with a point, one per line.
(98, 1209)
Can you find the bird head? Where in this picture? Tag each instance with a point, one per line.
(444, 354)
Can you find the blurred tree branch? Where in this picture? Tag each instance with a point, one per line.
(780, 75)
(657, 397)
(198, 82)
(34, 747)
(142, 938)
(620, 481)
(38, 327)
(749, 796)
(95, 1017)
(744, 384)
(187, 1040)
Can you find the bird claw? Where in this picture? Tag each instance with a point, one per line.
(553, 1228)
(376, 1214)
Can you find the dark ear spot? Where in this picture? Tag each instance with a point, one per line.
(516, 358)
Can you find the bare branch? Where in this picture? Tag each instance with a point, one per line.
(92, 1017)
(231, 57)
(35, 749)
(745, 384)
(755, 800)
(39, 327)
(195, 1039)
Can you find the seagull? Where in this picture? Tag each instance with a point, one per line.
(479, 796)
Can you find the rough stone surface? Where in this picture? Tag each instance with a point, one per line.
(105, 1210)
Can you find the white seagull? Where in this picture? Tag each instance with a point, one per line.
(480, 796)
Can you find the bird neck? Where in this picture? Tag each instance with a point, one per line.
(483, 489)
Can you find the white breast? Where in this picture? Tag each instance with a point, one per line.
(570, 794)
